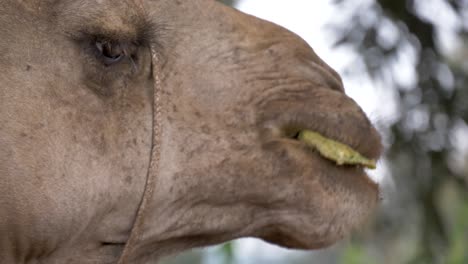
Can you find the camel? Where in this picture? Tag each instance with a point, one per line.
(136, 129)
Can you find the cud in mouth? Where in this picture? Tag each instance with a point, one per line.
(333, 150)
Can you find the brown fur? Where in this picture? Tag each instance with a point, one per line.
(76, 135)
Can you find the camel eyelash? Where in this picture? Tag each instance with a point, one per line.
(113, 52)
(107, 62)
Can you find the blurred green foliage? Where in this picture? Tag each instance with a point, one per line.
(229, 2)
(458, 253)
(355, 253)
(432, 109)
(227, 250)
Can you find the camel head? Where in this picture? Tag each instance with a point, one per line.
(139, 128)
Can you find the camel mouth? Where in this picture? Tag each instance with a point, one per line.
(341, 156)
(334, 151)
(347, 132)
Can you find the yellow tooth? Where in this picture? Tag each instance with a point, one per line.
(338, 152)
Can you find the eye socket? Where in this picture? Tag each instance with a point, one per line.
(110, 53)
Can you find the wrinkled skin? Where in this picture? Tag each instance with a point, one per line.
(77, 132)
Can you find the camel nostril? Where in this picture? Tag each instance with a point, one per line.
(329, 77)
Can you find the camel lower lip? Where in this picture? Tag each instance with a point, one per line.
(361, 170)
(335, 151)
(346, 171)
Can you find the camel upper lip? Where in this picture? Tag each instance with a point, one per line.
(353, 130)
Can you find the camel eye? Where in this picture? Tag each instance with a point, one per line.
(110, 53)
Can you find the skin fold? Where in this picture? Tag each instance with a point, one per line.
(101, 101)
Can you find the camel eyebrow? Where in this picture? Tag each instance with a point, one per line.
(149, 31)
(84, 21)
(144, 33)
(100, 32)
